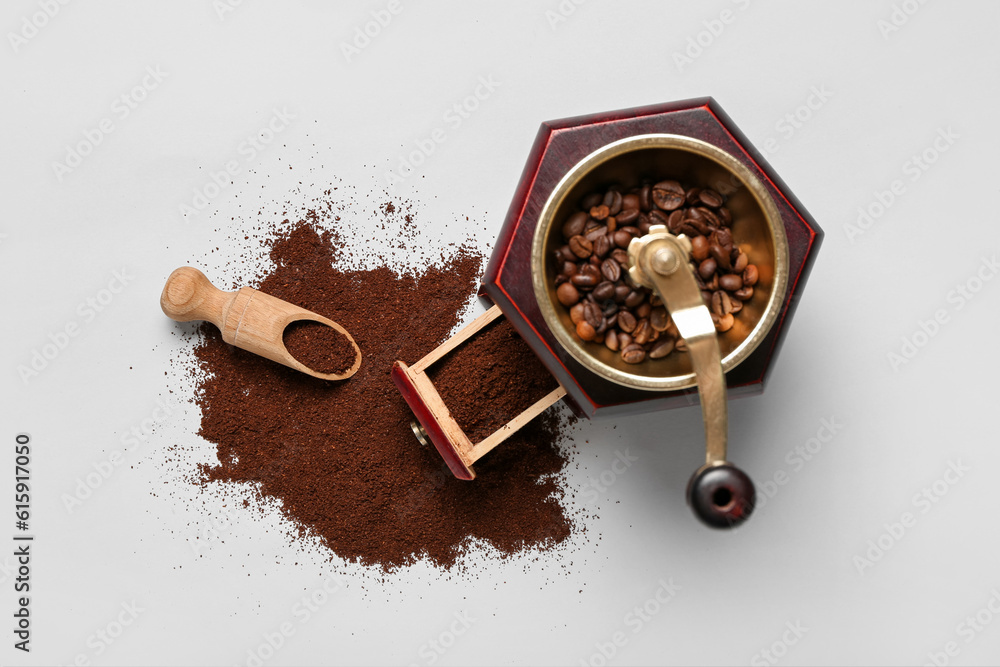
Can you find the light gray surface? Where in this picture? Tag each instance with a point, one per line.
(888, 94)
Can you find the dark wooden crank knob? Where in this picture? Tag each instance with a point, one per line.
(721, 495)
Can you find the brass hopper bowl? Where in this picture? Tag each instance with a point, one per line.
(720, 494)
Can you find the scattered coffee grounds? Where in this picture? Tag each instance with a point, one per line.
(490, 379)
(592, 267)
(340, 457)
(318, 346)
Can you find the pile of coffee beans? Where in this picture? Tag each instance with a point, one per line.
(592, 280)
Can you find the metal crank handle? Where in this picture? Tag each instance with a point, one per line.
(720, 494)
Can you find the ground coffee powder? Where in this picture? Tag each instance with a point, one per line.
(321, 348)
(490, 379)
(340, 456)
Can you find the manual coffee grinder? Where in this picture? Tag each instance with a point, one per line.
(693, 142)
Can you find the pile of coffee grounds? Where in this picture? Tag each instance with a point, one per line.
(340, 457)
(318, 346)
(490, 379)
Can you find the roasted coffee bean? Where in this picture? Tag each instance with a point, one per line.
(622, 238)
(581, 246)
(681, 345)
(611, 340)
(643, 310)
(602, 245)
(725, 322)
(744, 293)
(643, 332)
(621, 292)
(611, 270)
(655, 300)
(645, 198)
(706, 296)
(699, 248)
(725, 217)
(721, 303)
(662, 348)
(610, 309)
(724, 238)
(599, 212)
(588, 277)
(630, 202)
(710, 198)
(634, 298)
(709, 217)
(633, 354)
(596, 233)
(750, 275)
(700, 227)
(585, 330)
(611, 223)
(592, 314)
(730, 282)
(621, 256)
(567, 294)
(740, 263)
(720, 255)
(737, 306)
(576, 313)
(624, 340)
(604, 290)
(659, 319)
(713, 284)
(707, 268)
(613, 200)
(691, 196)
(626, 321)
(601, 330)
(569, 268)
(574, 225)
(668, 195)
(591, 200)
(628, 216)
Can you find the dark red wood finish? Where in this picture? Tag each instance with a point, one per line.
(561, 144)
(431, 426)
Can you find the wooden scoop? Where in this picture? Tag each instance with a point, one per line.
(248, 319)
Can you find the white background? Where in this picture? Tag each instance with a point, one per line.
(796, 562)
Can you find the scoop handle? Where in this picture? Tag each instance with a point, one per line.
(189, 295)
